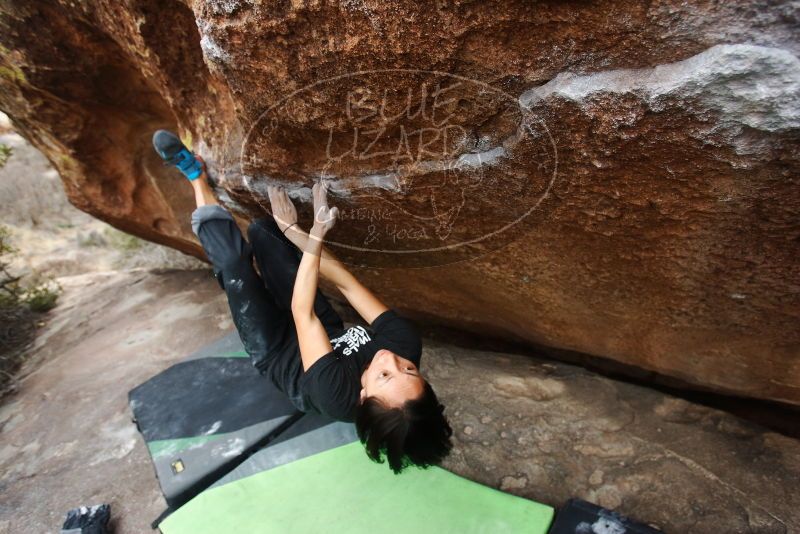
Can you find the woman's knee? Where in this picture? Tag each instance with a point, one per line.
(223, 243)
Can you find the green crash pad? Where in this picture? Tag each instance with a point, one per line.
(202, 416)
(341, 491)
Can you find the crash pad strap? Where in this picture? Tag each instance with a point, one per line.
(341, 491)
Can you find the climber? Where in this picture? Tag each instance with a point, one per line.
(294, 337)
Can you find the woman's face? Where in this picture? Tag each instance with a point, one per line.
(391, 378)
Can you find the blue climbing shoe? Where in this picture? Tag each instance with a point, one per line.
(173, 152)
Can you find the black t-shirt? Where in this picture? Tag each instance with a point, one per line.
(331, 386)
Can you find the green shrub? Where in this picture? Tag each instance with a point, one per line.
(5, 153)
(42, 296)
(10, 288)
(38, 294)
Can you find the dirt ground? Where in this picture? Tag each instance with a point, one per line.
(540, 429)
(68, 439)
(66, 432)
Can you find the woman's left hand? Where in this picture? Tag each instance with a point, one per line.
(324, 216)
(283, 209)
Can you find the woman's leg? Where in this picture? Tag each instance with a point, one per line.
(277, 259)
(263, 326)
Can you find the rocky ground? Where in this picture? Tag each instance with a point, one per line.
(524, 424)
(530, 426)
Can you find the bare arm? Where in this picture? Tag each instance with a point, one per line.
(366, 303)
(329, 267)
(305, 283)
(360, 297)
(312, 337)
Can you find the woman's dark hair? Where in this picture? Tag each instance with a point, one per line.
(417, 433)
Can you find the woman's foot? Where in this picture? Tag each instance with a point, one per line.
(174, 152)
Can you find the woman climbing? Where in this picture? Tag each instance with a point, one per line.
(293, 336)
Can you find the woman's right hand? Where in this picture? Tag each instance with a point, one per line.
(324, 215)
(283, 210)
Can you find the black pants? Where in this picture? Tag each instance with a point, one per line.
(261, 305)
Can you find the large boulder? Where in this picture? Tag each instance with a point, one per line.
(616, 179)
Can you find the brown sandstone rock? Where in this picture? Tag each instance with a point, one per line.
(617, 179)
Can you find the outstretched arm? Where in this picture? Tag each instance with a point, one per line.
(311, 335)
(360, 297)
